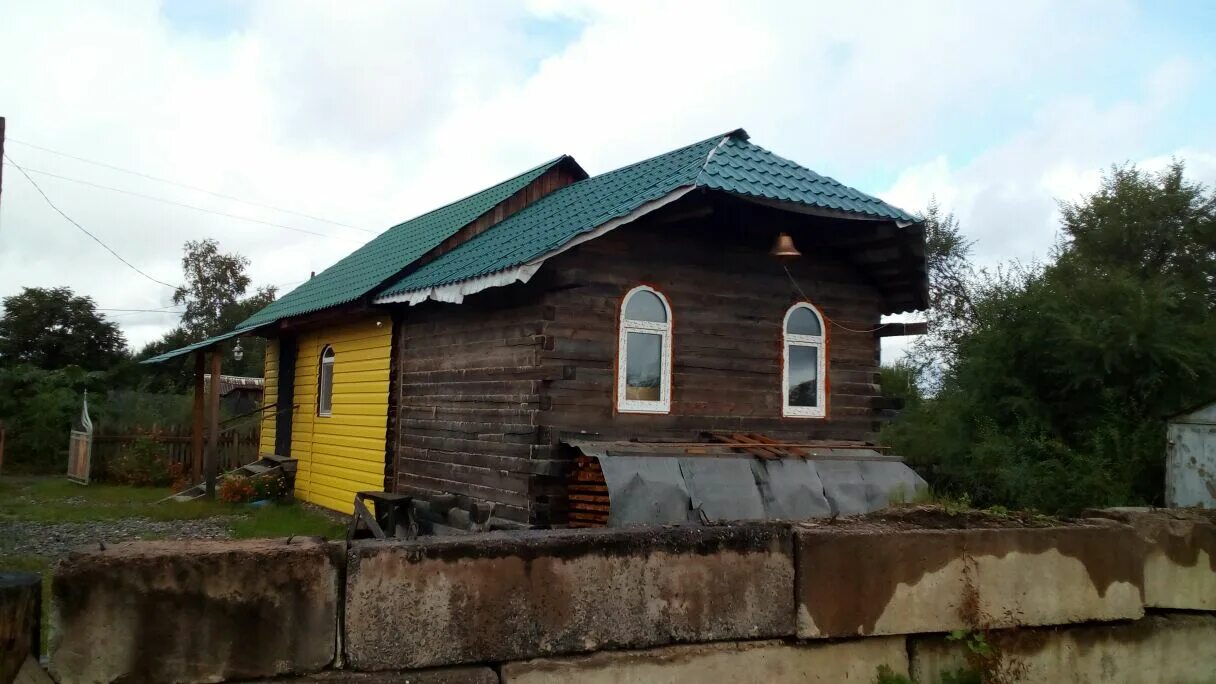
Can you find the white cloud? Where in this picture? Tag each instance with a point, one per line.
(1006, 197)
(374, 112)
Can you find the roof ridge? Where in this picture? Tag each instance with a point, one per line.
(834, 187)
(488, 188)
(728, 134)
(709, 157)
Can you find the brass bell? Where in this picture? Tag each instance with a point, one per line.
(784, 247)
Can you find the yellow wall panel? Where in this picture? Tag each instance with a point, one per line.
(270, 394)
(342, 453)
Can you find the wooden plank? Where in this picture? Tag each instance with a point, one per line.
(196, 435)
(212, 457)
(900, 329)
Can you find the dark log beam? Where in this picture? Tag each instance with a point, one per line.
(901, 329)
(196, 436)
(213, 427)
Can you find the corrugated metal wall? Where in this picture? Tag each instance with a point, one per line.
(1190, 463)
(342, 453)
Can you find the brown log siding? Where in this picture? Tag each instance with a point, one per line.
(487, 387)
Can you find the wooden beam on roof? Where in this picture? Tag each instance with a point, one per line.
(901, 329)
(325, 317)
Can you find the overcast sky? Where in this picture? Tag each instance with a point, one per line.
(366, 114)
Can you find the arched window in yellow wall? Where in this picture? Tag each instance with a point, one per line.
(644, 353)
(804, 374)
(325, 383)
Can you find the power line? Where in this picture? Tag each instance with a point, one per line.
(179, 204)
(176, 310)
(191, 187)
(96, 239)
(136, 313)
(103, 308)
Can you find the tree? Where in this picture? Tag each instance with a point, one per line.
(38, 406)
(1055, 388)
(214, 295)
(52, 328)
(952, 284)
(215, 287)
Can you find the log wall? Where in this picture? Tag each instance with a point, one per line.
(469, 401)
(487, 388)
(728, 298)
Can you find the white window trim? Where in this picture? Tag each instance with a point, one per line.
(326, 361)
(626, 326)
(820, 343)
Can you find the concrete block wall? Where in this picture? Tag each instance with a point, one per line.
(824, 601)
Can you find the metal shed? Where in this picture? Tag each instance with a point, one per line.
(1190, 462)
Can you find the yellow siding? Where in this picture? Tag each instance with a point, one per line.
(270, 371)
(342, 453)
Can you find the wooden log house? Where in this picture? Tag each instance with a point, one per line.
(458, 354)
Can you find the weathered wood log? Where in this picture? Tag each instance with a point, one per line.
(20, 621)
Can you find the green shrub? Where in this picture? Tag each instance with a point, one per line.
(236, 489)
(268, 486)
(1053, 381)
(143, 463)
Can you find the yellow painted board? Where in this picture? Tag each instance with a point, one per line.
(352, 480)
(342, 453)
(371, 474)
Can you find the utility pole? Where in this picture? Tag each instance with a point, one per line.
(1, 155)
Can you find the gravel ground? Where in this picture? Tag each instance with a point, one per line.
(56, 540)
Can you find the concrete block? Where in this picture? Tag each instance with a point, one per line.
(438, 675)
(196, 611)
(1179, 555)
(870, 576)
(1154, 650)
(512, 596)
(771, 662)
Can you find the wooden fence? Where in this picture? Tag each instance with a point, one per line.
(236, 447)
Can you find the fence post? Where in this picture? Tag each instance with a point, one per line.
(196, 437)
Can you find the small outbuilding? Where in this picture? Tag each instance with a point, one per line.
(492, 351)
(1190, 463)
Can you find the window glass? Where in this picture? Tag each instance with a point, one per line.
(643, 366)
(803, 321)
(325, 383)
(644, 305)
(803, 370)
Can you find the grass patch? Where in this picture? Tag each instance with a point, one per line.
(55, 500)
(285, 520)
(44, 499)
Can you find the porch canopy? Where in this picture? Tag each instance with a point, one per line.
(204, 462)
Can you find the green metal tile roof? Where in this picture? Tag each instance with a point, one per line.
(377, 261)
(388, 253)
(729, 163)
(197, 345)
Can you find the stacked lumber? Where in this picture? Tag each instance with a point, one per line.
(588, 493)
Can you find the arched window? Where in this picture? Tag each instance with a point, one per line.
(644, 353)
(805, 363)
(325, 382)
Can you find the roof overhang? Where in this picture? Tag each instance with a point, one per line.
(456, 292)
(199, 346)
(799, 208)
